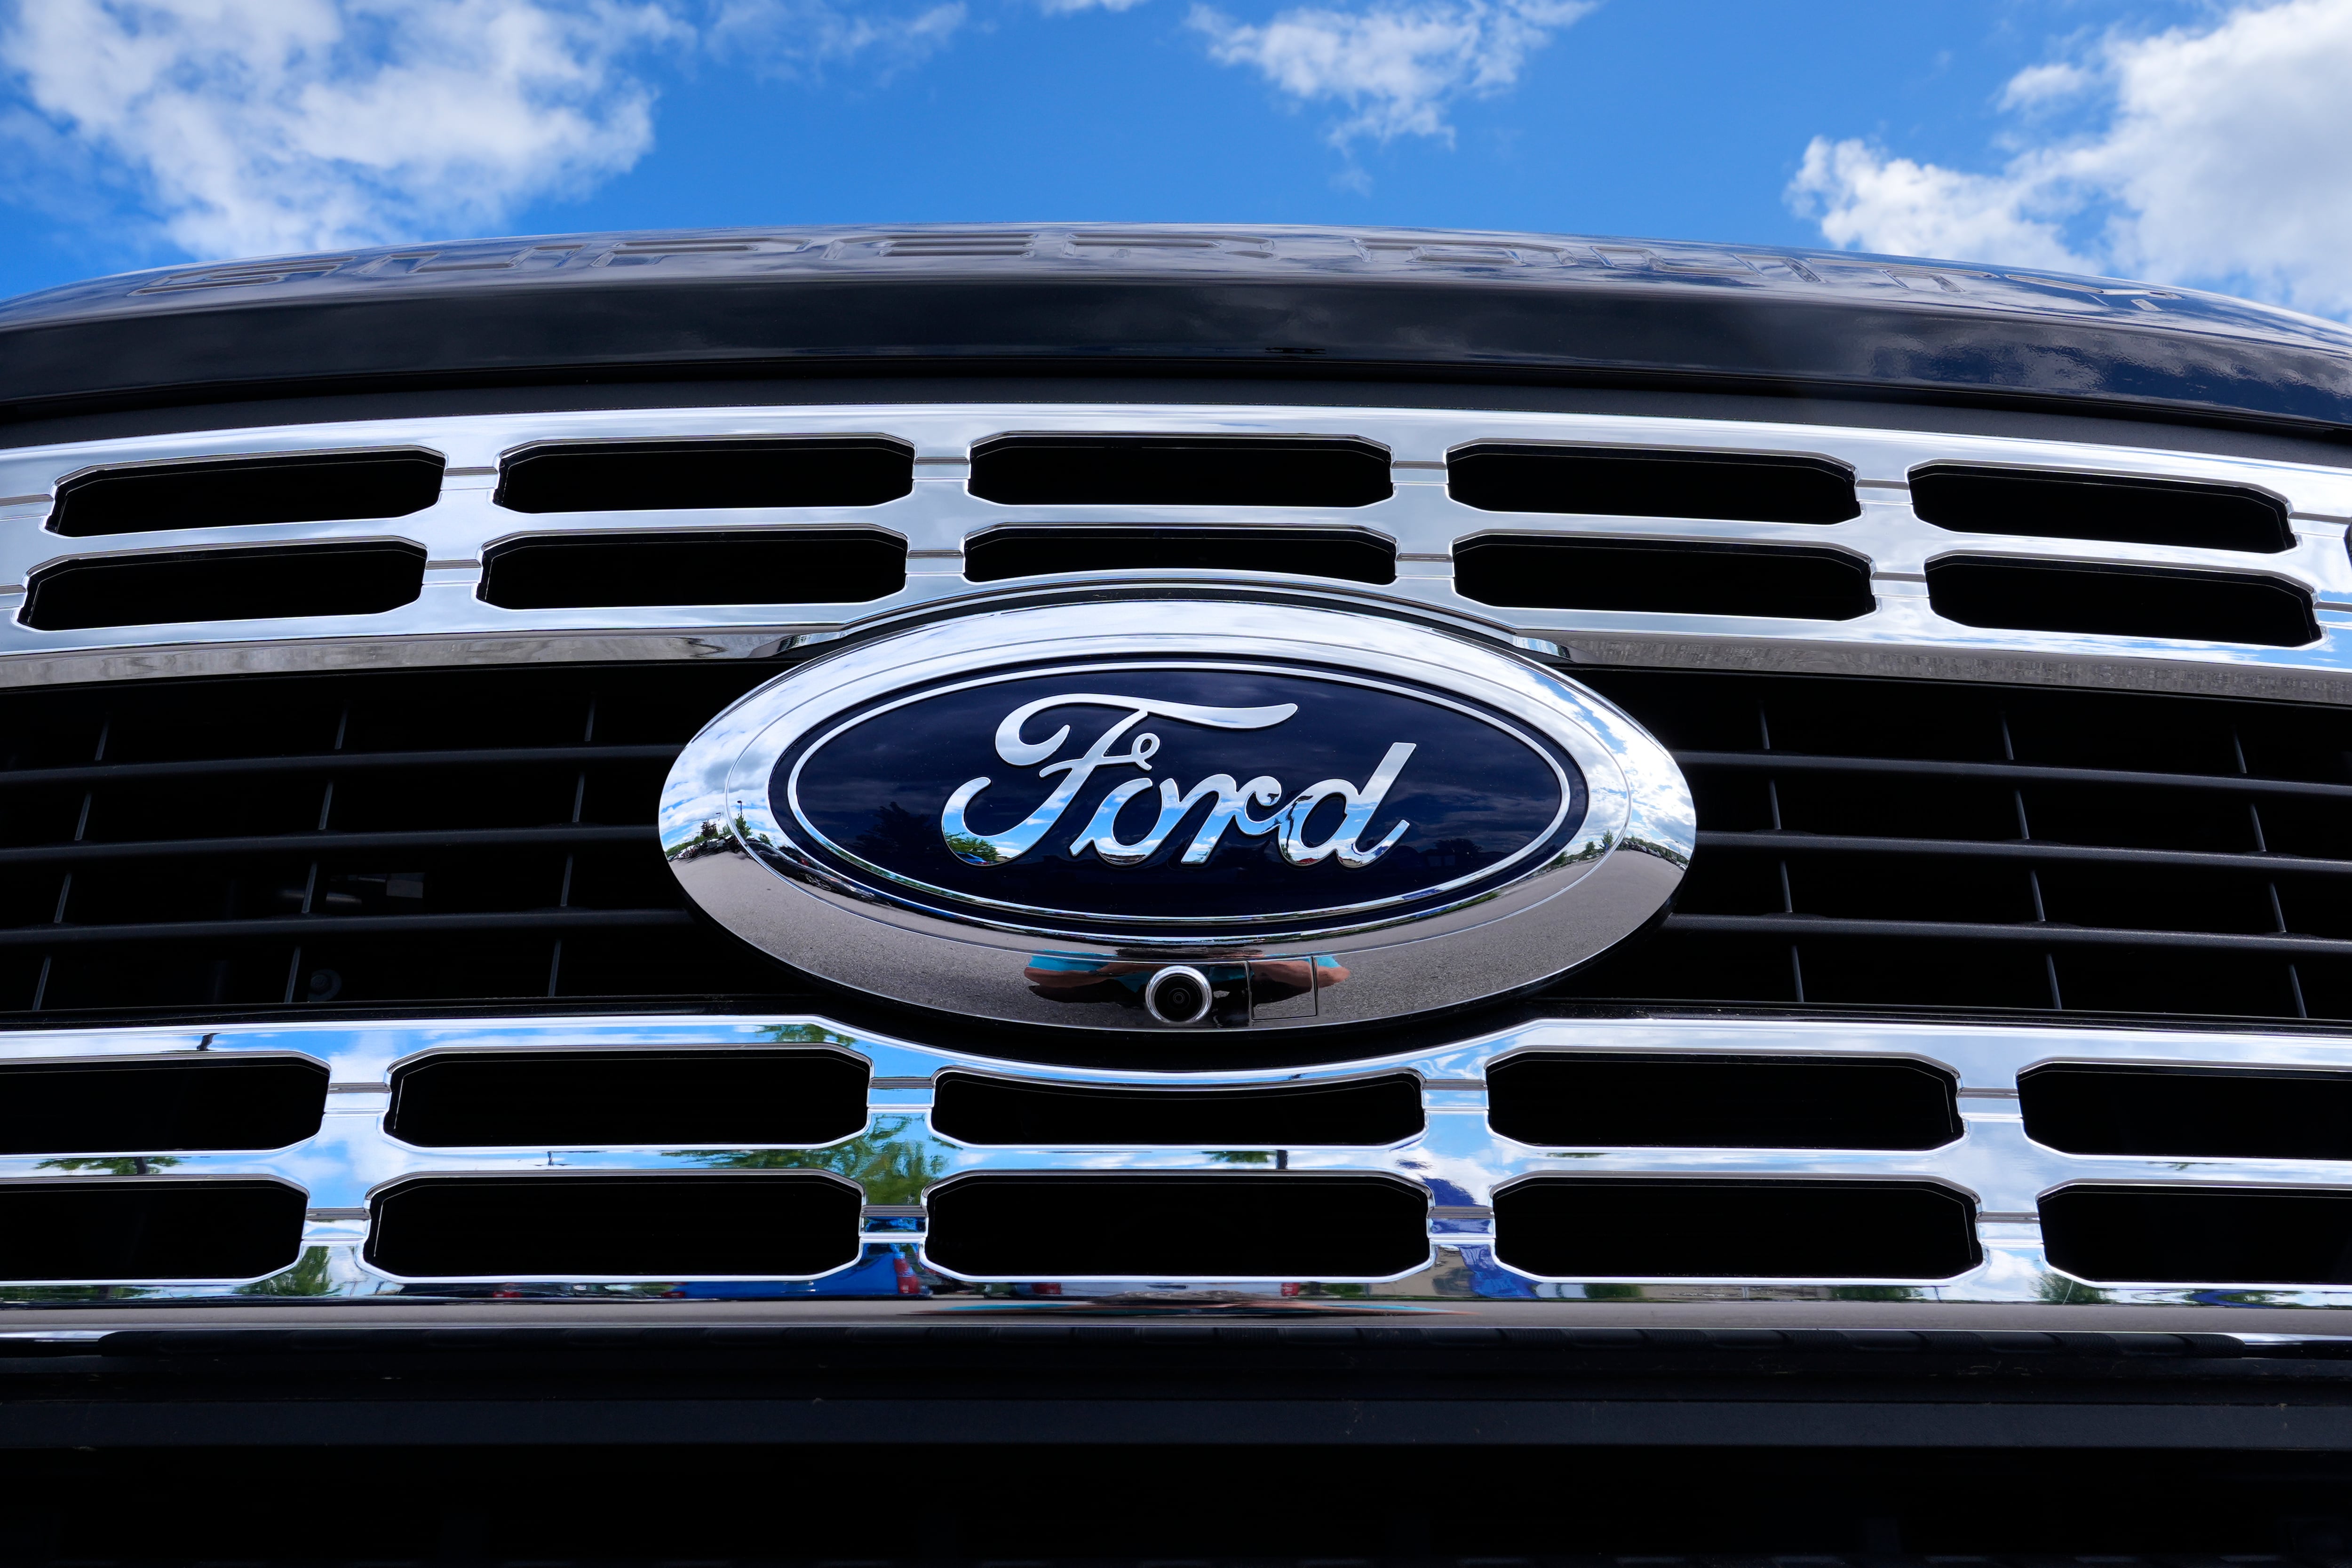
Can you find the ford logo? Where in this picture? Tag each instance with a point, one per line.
(1172, 814)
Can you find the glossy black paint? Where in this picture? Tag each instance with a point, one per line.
(1413, 304)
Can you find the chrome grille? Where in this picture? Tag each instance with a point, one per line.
(1754, 1222)
(1919, 837)
(449, 621)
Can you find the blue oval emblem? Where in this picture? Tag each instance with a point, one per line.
(1184, 813)
(1150, 793)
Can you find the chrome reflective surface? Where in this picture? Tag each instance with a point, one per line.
(746, 858)
(1456, 1159)
(1903, 637)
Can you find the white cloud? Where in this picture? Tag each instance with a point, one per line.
(252, 126)
(1865, 199)
(798, 38)
(2214, 155)
(2037, 86)
(1393, 68)
(1064, 7)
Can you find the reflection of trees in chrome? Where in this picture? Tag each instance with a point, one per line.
(2058, 1288)
(800, 1034)
(892, 1165)
(708, 835)
(307, 1277)
(713, 835)
(115, 1165)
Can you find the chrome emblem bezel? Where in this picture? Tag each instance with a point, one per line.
(897, 939)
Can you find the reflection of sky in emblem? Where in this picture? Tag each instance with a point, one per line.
(1471, 793)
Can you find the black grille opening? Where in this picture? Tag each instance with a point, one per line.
(220, 1103)
(769, 1223)
(1733, 486)
(1958, 846)
(1604, 1227)
(596, 1099)
(666, 476)
(2197, 1112)
(2200, 1236)
(355, 840)
(485, 835)
(2090, 506)
(1608, 1099)
(1369, 1113)
(238, 492)
(2115, 601)
(1289, 1226)
(1178, 470)
(224, 586)
(771, 568)
(1344, 553)
(118, 1228)
(1677, 579)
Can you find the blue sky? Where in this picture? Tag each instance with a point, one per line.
(2206, 143)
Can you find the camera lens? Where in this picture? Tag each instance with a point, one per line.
(1177, 995)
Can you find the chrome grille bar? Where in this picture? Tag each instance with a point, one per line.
(1903, 637)
(1458, 1160)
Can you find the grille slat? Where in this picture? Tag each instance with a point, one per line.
(1866, 842)
(382, 837)
(2008, 773)
(2047, 935)
(333, 762)
(560, 837)
(1954, 847)
(345, 925)
(1786, 843)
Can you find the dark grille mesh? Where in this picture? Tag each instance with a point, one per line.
(485, 835)
(476, 835)
(1954, 847)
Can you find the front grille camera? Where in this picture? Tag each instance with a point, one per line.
(1176, 995)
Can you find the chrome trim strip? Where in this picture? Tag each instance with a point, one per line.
(449, 623)
(1457, 1159)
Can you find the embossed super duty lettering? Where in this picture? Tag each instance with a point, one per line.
(1230, 802)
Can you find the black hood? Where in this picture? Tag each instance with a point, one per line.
(1398, 304)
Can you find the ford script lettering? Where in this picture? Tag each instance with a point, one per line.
(1281, 816)
(1260, 799)
(1230, 801)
